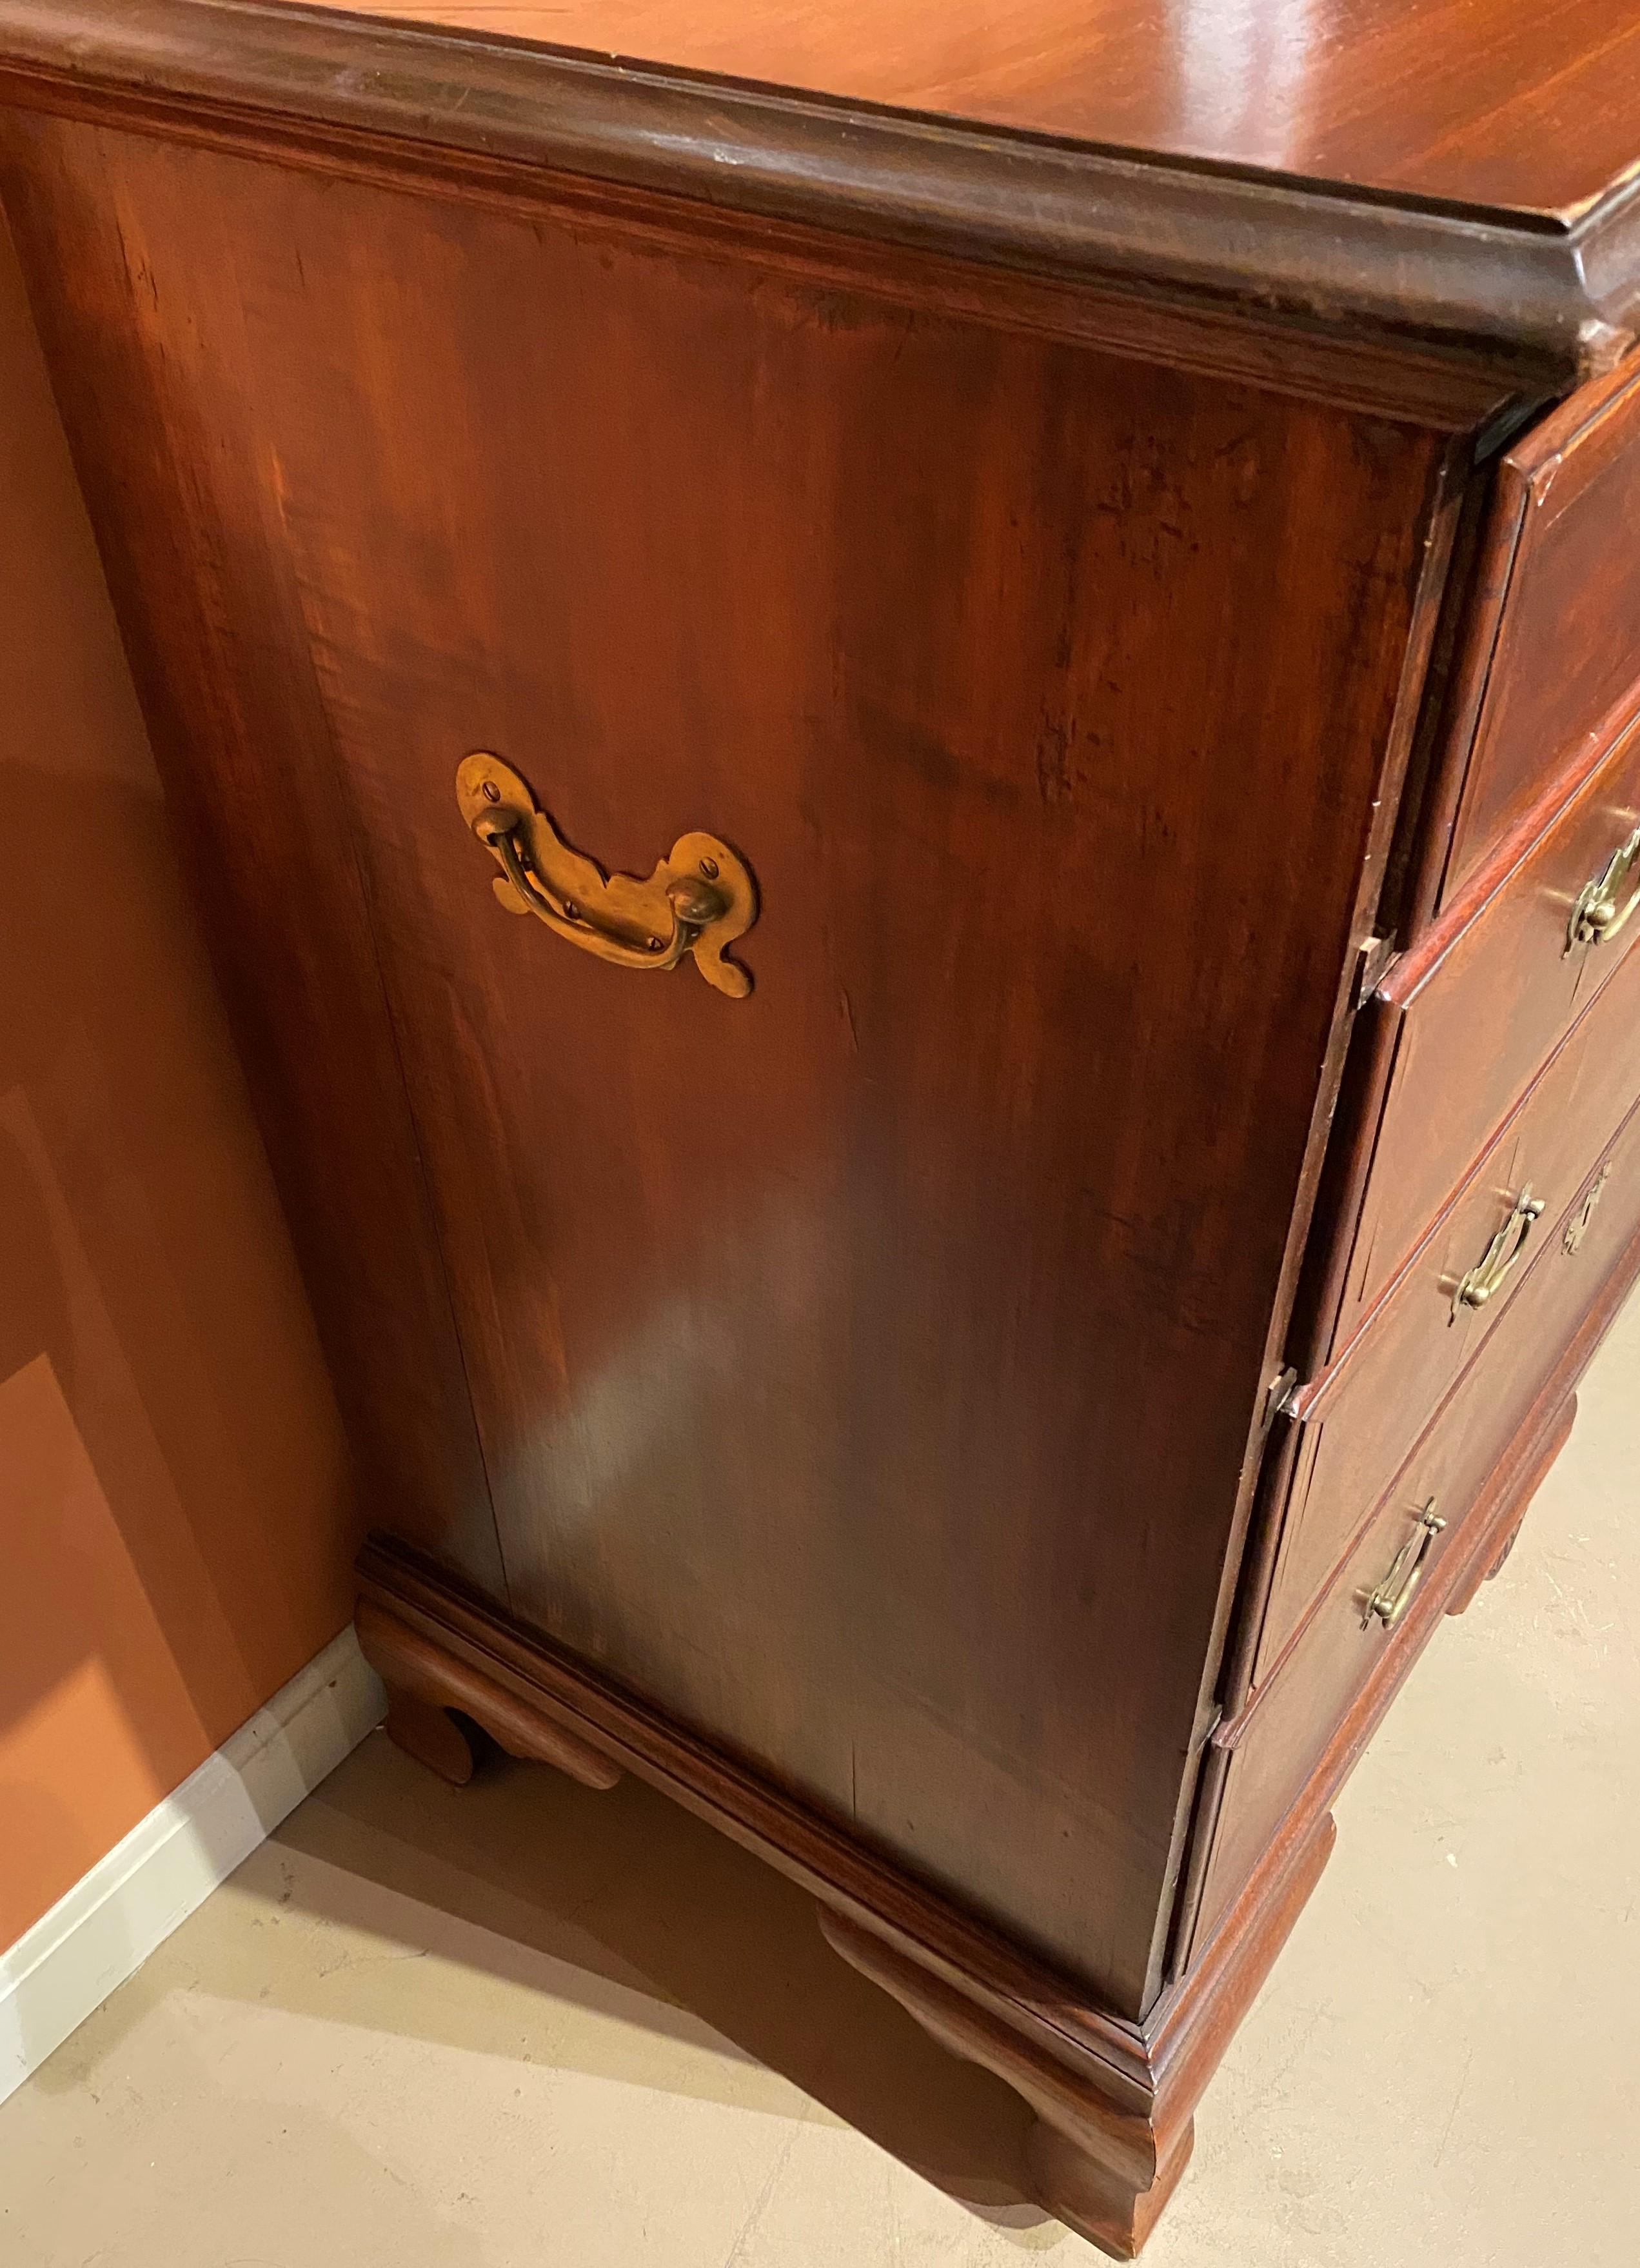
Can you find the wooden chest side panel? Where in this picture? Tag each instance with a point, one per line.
(211, 618)
(865, 1372)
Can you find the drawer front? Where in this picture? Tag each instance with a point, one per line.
(1362, 1416)
(1476, 1009)
(1293, 1717)
(1556, 640)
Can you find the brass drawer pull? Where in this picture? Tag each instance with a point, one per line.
(698, 899)
(1599, 913)
(1478, 1286)
(1393, 1595)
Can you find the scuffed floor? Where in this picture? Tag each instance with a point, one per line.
(522, 2025)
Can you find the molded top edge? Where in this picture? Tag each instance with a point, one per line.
(1546, 296)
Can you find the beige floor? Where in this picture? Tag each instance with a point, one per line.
(523, 2024)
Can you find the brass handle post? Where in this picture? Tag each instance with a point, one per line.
(698, 901)
(1484, 1281)
(1393, 1595)
(1605, 904)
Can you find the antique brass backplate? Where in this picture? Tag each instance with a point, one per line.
(1577, 1226)
(698, 899)
(1600, 912)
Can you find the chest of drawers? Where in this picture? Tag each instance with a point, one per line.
(912, 755)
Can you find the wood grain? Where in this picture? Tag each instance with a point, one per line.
(1465, 1019)
(1469, 1462)
(1103, 2168)
(846, 1407)
(1211, 1941)
(1530, 111)
(1493, 295)
(1359, 1417)
(1114, 2102)
(824, 1348)
(424, 1685)
(1105, 2172)
(1553, 639)
(211, 614)
(846, 1873)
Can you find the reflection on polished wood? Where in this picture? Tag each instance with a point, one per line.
(989, 1420)
(1446, 180)
(1494, 103)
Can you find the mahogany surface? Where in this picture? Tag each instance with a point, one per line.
(1531, 110)
(1362, 1414)
(1237, 1865)
(1158, 635)
(1464, 1020)
(1535, 1354)
(786, 1270)
(1552, 644)
(1418, 278)
(426, 1689)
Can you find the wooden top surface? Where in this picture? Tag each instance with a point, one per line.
(1455, 177)
(1529, 108)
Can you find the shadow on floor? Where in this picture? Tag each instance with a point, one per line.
(629, 1907)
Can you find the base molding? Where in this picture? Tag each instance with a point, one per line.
(1113, 2096)
(59, 1971)
(433, 1701)
(412, 1610)
(1104, 2171)
(1113, 2099)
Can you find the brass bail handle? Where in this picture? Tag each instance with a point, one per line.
(1393, 1595)
(698, 901)
(1601, 912)
(1485, 1280)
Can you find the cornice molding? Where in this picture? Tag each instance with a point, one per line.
(1542, 300)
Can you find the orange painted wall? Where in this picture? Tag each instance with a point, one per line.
(175, 1521)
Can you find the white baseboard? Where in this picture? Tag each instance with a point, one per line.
(109, 1922)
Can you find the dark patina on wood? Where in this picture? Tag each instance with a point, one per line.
(1043, 551)
(1536, 275)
